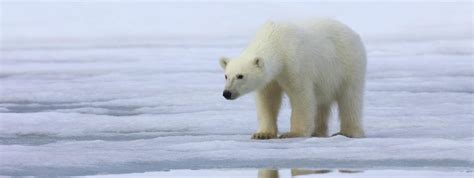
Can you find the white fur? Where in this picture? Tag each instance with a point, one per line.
(315, 64)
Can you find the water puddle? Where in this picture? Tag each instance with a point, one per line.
(292, 173)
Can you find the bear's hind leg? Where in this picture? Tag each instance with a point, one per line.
(350, 112)
(268, 105)
(321, 120)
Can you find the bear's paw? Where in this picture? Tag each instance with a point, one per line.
(291, 135)
(263, 135)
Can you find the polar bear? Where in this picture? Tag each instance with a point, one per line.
(315, 64)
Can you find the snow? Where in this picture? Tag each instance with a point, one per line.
(109, 88)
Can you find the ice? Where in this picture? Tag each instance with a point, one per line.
(286, 173)
(122, 87)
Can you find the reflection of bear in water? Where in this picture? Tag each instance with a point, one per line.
(271, 173)
(315, 64)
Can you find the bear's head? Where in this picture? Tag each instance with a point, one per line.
(242, 76)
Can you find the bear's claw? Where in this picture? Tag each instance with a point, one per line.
(338, 133)
(348, 135)
(290, 135)
(263, 136)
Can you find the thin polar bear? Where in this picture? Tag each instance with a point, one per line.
(315, 64)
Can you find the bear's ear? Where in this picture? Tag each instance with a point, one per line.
(223, 62)
(258, 62)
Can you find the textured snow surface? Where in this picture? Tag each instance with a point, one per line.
(122, 88)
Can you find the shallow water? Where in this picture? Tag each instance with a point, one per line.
(287, 173)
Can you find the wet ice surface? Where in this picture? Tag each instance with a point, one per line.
(69, 108)
(289, 173)
(130, 116)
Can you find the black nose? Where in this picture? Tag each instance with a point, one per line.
(227, 94)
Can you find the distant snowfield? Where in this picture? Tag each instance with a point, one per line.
(109, 88)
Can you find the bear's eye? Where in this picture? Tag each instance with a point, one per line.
(226, 77)
(240, 76)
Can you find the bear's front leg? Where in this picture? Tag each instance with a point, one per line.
(268, 102)
(302, 113)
